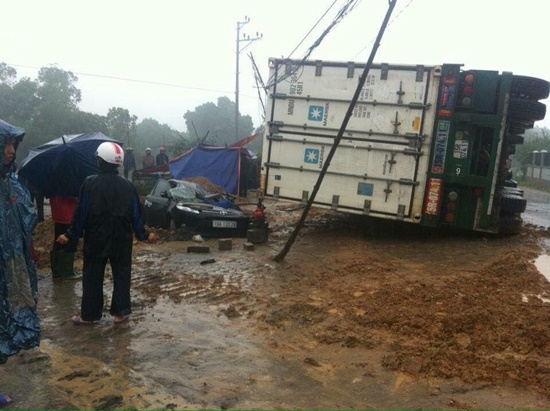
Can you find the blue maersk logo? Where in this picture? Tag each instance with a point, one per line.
(311, 156)
(315, 113)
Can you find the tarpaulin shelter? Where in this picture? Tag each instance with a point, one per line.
(232, 168)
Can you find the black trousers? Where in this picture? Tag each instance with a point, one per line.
(39, 198)
(93, 274)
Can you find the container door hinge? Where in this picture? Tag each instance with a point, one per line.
(391, 161)
(305, 196)
(335, 200)
(366, 207)
(318, 68)
(401, 212)
(396, 123)
(387, 190)
(384, 71)
(419, 73)
(400, 93)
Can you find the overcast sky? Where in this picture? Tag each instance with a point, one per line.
(182, 53)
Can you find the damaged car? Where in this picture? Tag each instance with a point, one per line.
(188, 206)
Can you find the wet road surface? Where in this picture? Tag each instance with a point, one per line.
(193, 342)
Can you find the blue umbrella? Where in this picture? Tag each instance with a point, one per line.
(59, 167)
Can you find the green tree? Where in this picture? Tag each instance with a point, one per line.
(151, 133)
(18, 100)
(121, 124)
(215, 123)
(24, 100)
(180, 145)
(88, 122)
(59, 86)
(58, 99)
(8, 75)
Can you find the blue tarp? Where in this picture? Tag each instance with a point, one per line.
(220, 165)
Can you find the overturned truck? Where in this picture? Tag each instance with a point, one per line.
(428, 145)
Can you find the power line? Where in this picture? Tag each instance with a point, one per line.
(389, 24)
(343, 12)
(133, 80)
(316, 24)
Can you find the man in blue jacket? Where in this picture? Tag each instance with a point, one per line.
(107, 214)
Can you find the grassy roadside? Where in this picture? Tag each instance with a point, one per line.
(534, 185)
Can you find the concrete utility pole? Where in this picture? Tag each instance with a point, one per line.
(247, 39)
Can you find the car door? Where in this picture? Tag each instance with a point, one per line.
(156, 205)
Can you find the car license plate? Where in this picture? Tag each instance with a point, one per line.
(224, 224)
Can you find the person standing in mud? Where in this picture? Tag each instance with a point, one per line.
(107, 214)
(62, 256)
(129, 162)
(19, 321)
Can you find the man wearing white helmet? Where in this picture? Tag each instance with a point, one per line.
(148, 159)
(107, 215)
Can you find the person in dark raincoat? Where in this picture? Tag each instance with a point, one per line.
(19, 322)
(107, 214)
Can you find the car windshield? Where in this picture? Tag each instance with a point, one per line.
(187, 191)
(182, 192)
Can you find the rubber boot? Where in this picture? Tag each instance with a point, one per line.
(66, 264)
(54, 265)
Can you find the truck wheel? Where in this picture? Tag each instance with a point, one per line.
(510, 183)
(526, 109)
(515, 139)
(510, 224)
(510, 203)
(516, 128)
(511, 190)
(530, 87)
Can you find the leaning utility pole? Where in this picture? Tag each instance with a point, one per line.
(248, 40)
(360, 85)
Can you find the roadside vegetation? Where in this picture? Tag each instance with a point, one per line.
(47, 107)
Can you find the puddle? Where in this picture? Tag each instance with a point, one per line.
(542, 262)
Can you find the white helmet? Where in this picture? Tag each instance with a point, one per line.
(110, 153)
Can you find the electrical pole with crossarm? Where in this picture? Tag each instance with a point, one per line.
(245, 39)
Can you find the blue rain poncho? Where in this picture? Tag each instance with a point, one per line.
(19, 322)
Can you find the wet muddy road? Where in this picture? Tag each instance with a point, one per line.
(357, 316)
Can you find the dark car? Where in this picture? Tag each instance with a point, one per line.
(178, 204)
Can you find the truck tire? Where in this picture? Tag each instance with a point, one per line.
(530, 88)
(528, 110)
(516, 128)
(510, 224)
(511, 190)
(510, 203)
(510, 183)
(515, 139)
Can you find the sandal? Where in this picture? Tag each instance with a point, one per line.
(77, 320)
(5, 400)
(121, 318)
